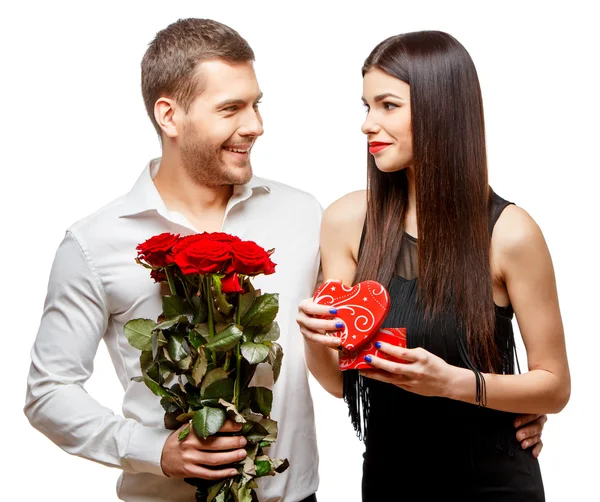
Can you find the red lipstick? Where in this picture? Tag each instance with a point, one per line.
(377, 146)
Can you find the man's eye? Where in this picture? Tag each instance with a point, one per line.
(257, 103)
(230, 109)
(366, 106)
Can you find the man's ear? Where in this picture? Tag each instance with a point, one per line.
(164, 114)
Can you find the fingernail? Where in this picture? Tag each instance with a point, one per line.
(521, 436)
(339, 325)
(526, 445)
(517, 423)
(242, 454)
(333, 311)
(368, 359)
(378, 345)
(243, 441)
(233, 473)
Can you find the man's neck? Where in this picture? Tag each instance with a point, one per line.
(202, 205)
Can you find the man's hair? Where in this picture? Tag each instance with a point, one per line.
(169, 66)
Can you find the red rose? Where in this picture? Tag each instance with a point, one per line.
(221, 237)
(157, 250)
(250, 259)
(231, 284)
(197, 254)
(158, 276)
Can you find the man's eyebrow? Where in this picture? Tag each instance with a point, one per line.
(238, 102)
(381, 97)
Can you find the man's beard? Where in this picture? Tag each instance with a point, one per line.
(202, 161)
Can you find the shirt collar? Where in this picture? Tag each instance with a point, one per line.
(145, 197)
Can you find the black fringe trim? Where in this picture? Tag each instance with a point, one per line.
(356, 396)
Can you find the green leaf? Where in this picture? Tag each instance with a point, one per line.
(246, 302)
(185, 417)
(155, 344)
(153, 372)
(263, 311)
(158, 389)
(262, 400)
(219, 298)
(214, 491)
(200, 367)
(169, 406)
(212, 376)
(184, 433)
(226, 339)
(275, 359)
(219, 389)
(171, 322)
(233, 412)
(185, 363)
(268, 335)
(139, 333)
(199, 335)
(271, 426)
(263, 468)
(254, 353)
(208, 421)
(245, 396)
(146, 360)
(174, 306)
(200, 308)
(257, 433)
(178, 348)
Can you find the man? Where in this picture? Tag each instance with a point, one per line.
(202, 96)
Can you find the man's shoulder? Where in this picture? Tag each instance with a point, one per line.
(102, 220)
(290, 193)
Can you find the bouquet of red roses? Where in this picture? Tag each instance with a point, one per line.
(201, 353)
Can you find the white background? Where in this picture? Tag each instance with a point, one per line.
(75, 136)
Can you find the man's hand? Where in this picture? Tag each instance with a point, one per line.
(195, 457)
(529, 432)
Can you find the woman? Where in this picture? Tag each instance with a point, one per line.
(458, 261)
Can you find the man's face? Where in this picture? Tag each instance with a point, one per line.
(222, 124)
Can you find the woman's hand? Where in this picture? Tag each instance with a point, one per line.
(314, 328)
(422, 372)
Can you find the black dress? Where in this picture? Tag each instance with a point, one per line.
(431, 447)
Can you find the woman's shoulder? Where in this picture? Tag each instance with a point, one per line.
(347, 210)
(516, 234)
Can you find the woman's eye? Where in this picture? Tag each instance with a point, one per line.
(389, 106)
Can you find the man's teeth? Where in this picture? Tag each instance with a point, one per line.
(237, 150)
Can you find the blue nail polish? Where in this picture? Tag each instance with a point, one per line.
(333, 311)
(368, 359)
(339, 325)
(378, 345)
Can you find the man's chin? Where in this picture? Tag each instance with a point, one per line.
(240, 175)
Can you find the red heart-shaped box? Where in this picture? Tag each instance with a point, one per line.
(362, 308)
(355, 360)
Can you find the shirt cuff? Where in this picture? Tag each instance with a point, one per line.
(145, 447)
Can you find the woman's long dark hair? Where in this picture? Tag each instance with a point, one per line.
(452, 193)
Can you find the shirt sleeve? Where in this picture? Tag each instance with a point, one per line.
(74, 320)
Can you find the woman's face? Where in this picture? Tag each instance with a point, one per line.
(387, 125)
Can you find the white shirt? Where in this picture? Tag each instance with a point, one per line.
(95, 287)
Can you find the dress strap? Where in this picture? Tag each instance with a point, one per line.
(497, 205)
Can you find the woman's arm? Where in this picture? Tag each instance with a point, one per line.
(341, 228)
(528, 272)
(526, 266)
